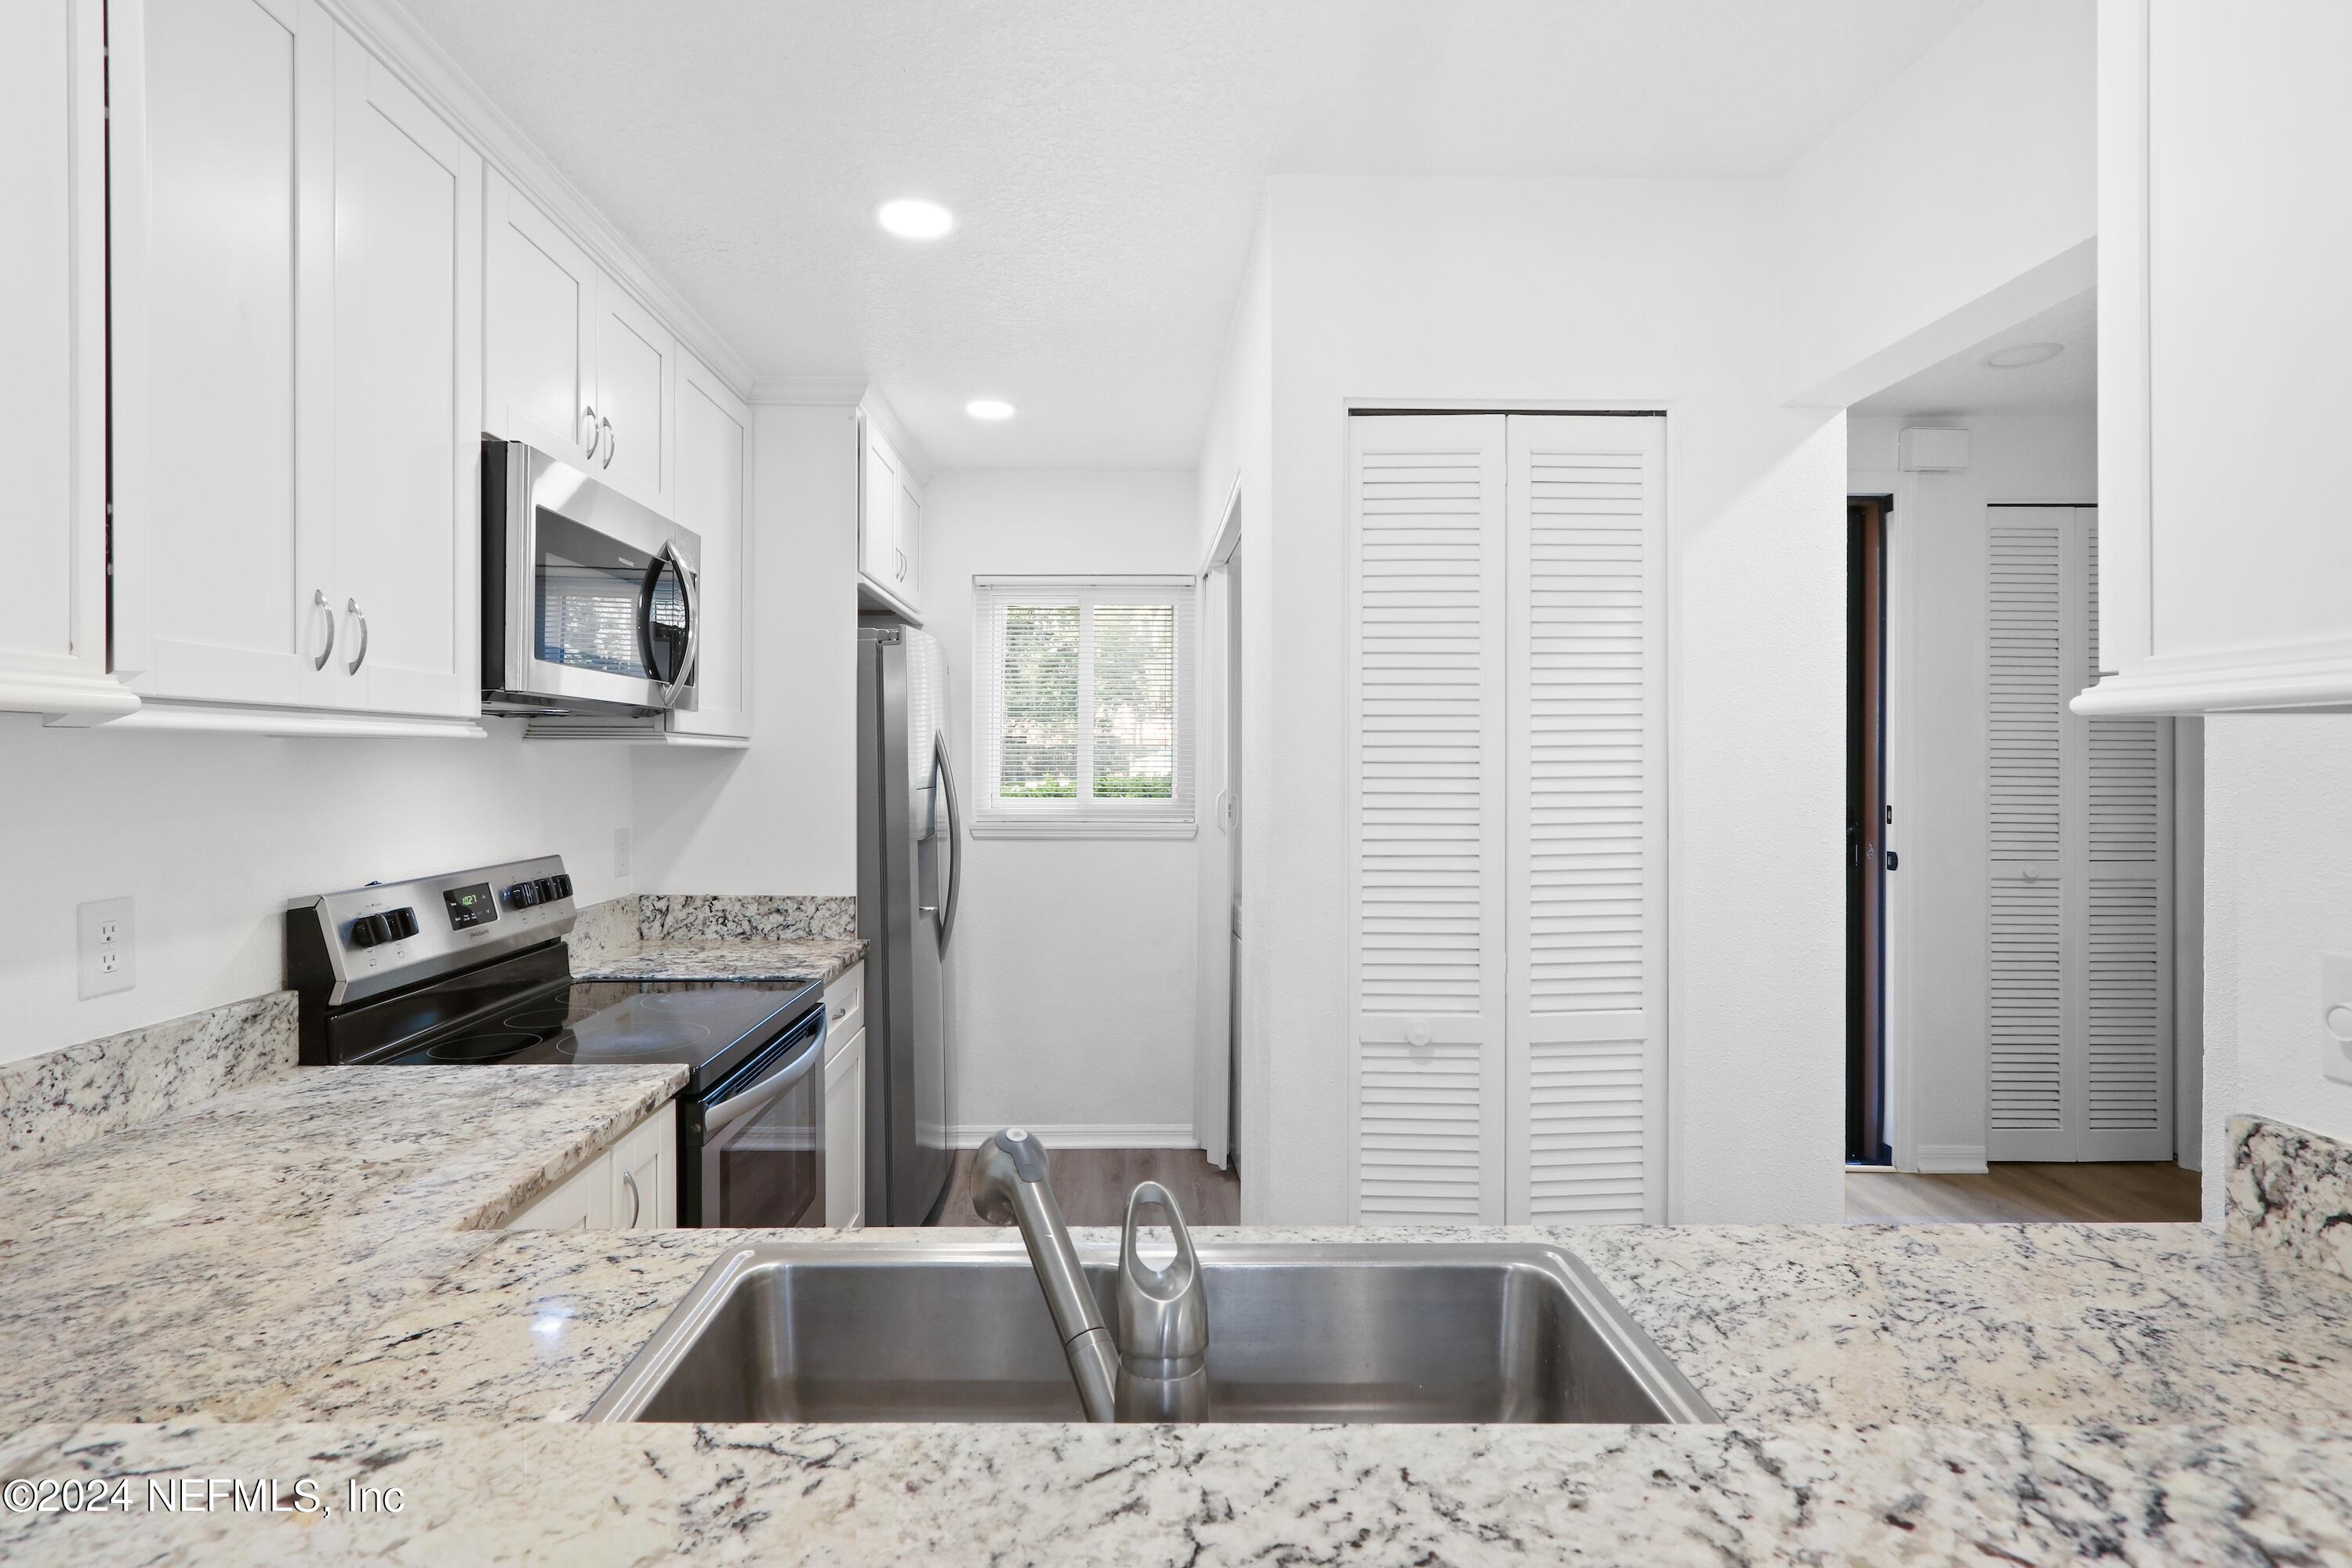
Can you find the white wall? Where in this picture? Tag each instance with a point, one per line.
(1072, 975)
(2278, 856)
(1960, 200)
(1936, 1017)
(210, 834)
(1627, 293)
(780, 816)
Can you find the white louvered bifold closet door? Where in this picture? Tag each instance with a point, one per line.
(1427, 734)
(2079, 906)
(1507, 814)
(1587, 888)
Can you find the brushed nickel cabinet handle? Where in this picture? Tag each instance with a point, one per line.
(318, 599)
(636, 1198)
(352, 606)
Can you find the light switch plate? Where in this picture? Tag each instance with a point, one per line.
(103, 947)
(2336, 1015)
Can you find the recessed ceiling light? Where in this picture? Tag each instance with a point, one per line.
(911, 219)
(988, 409)
(2017, 356)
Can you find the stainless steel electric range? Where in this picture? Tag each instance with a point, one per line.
(472, 969)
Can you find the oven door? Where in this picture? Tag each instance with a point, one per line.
(596, 596)
(763, 1155)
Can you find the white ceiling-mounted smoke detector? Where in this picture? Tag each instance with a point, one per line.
(1926, 449)
(2017, 356)
(912, 218)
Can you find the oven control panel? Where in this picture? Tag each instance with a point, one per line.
(367, 941)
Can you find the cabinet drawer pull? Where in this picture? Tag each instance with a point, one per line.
(352, 608)
(636, 1198)
(596, 433)
(612, 441)
(318, 599)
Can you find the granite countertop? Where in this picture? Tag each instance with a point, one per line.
(296, 1279)
(791, 958)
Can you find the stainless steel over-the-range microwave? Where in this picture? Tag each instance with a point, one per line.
(591, 601)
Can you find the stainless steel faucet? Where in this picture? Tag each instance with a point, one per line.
(1009, 1184)
(1156, 1367)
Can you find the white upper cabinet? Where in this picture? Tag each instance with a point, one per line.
(636, 386)
(714, 432)
(889, 520)
(576, 367)
(223, 262)
(2225, 235)
(298, 369)
(408, 323)
(538, 342)
(52, 338)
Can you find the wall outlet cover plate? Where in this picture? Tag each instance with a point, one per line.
(2336, 1015)
(102, 947)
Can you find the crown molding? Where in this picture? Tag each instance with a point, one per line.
(810, 391)
(391, 33)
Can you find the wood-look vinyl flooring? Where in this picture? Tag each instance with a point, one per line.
(2145, 1193)
(1092, 1185)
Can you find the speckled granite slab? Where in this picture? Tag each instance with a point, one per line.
(721, 916)
(1198, 1496)
(207, 1260)
(707, 937)
(2291, 1190)
(51, 1102)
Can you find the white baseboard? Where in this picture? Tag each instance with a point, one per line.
(1950, 1159)
(1086, 1134)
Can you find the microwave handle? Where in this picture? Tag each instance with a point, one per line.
(691, 583)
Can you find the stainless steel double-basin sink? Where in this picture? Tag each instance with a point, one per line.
(940, 1330)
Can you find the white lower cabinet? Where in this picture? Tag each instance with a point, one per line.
(844, 1134)
(631, 1187)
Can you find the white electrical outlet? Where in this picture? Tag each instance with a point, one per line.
(2336, 1015)
(103, 946)
(620, 851)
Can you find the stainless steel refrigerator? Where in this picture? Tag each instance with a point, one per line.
(910, 871)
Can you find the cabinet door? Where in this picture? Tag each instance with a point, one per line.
(713, 442)
(910, 541)
(53, 336)
(645, 1174)
(539, 339)
(407, 404)
(877, 512)
(636, 380)
(844, 1135)
(220, 199)
(582, 1203)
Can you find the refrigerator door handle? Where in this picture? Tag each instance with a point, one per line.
(945, 771)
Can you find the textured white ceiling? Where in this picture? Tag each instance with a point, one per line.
(1105, 160)
(1964, 384)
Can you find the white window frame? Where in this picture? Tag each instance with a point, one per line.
(995, 817)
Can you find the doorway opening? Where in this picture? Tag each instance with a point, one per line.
(1869, 818)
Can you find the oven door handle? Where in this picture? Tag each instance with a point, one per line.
(727, 1112)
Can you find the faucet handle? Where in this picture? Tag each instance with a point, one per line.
(1162, 1317)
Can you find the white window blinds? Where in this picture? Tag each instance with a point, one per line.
(1084, 709)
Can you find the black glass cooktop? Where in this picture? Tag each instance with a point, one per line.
(525, 1010)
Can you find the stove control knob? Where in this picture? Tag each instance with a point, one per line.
(369, 929)
(562, 880)
(522, 895)
(548, 891)
(402, 922)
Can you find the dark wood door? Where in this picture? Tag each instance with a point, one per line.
(1868, 819)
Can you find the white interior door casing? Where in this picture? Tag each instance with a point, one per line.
(1507, 811)
(2079, 937)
